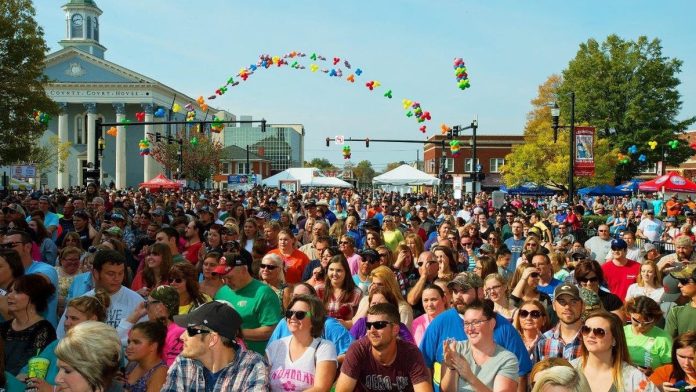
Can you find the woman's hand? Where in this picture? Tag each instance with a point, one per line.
(39, 384)
(137, 313)
(669, 387)
(527, 272)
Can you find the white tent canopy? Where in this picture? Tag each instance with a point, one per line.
(405, 175)
(308, 176)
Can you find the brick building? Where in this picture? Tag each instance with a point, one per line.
(490, 154)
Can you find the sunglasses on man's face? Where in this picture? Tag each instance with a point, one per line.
(193, 331)
(298, 314)
(376, 324)
(598, 332)
(684, 281)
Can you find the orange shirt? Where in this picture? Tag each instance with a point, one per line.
(673, 208)
(294, 265)
(662, 375)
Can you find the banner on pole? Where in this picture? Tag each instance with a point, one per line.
(584, 151)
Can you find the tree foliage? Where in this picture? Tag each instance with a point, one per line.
(542, 161)
(201, 156)
(364, 172)
(50, 156)
(628, 89)
(321, 164)
(22, 56)
(393, 165)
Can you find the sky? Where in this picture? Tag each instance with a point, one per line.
(510, 48)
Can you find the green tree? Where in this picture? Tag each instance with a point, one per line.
(542, 161)
(393, 165)
(628, 90)
(201, 156)
(49, 156)
(321, 164)
(22, 56)
(364, 172)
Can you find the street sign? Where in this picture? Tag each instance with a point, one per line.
(23, 171)
(340, 140)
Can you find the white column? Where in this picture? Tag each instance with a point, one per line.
(91, 132)
(120, 147)
(63, 175)
(148, 163)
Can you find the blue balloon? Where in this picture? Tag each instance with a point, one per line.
(159, 112)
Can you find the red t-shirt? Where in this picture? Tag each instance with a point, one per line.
(294, 265)
(618, 278)
(407, 370)
(191, 252)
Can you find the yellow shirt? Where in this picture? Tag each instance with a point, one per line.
(185, 309)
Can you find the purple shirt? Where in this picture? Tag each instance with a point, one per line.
(359, 330)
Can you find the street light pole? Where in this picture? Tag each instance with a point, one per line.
(474, 126)
(101, 143)
(555, 114)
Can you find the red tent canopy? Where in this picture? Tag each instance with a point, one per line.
(671, 182)
(160, 182)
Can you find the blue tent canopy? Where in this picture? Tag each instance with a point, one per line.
(529, 189)
(602, 190)
(629, 186)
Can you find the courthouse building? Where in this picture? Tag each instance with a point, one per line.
(91, 90)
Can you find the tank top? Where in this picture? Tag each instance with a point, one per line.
(140, 385)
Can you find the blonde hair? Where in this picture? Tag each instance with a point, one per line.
(92, 305)
(93, 349)
(565, 376)
(387, 275)
(656, 279)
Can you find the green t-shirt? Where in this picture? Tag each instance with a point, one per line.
(178, 258)
(258, 306)
(651, 350)
(680, 319)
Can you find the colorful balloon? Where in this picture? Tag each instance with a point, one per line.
(388, 94)
(673, 144)
(113, 131)
(176, 108)
(159, 112)
(140, 116)
(633, 149)
(652, 144)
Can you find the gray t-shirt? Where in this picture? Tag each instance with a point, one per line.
(503, 363)
(598, 248)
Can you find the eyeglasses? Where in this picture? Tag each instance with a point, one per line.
(376, 324)
(641, 323)
(588, 280)
(476, 324)
(9, 245)
(269, 267)
(299, 314)
(526, 313)
(193, 331)
(598, 332)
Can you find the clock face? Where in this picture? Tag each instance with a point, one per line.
(77, 20)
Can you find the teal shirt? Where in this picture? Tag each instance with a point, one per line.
(49, 353)
(257, 304)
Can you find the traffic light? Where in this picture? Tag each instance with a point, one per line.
(263, 125)
(327, 141)
(449, 133)
(158, 137)
(455, 130)
(367, 142)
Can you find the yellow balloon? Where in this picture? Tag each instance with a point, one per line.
(176, 108)
(313, 67)
(407, 103)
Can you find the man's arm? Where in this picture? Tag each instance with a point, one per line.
(258, 334)
(346, 383)
(423, 387)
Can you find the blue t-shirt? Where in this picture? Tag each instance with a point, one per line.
(333, 332)
(37, 267)
(549, 288)
(449, 325)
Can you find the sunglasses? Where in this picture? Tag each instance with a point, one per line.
(534, 275)
(377, 324)
(368, 260)
(684, 281)
(299, 314)
(641, 323)
(9, 245)
(588, 280)
(598, 332)
(269, 267)
(526, 313)
(467, 244)
(176, 280)
(193, 331)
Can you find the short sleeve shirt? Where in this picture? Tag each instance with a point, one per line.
(297, 375)
(502, 363)
(401, 375)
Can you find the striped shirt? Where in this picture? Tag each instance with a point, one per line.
(247, 372)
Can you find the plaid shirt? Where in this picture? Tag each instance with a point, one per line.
(551, 345)
(344, 308)
(247, 372)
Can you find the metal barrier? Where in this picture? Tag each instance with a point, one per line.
(663, 247)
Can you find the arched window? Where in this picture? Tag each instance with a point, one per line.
(89, 28)
(76, 23)
(80, 135)
(96, 29)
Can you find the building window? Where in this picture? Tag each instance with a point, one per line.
(241, 168)
(467, 165)
(496, 164)
(80, 129)
(449, 165)
(89, 27)
(650, 169)
(96, 29)
(431, 166)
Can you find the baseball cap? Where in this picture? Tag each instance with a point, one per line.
(466, 281)
(579, 254)
(310, 203)
(486, 248)
(671, 219)
(114, 230)
(117, 216)
(323, 203)
(231, 260)
(671, 286)
(566, 289)
(204, 209)
(263, 215)
(688, 272)
(16, 208)
(683, 241)
(370, 254)
(158, 212)
(618, 244)
(169, 298)
(647, 247)
(218, 316)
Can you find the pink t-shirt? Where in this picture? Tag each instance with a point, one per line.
(172, 343)
(418, 326)
(619, 278)
(354, 263)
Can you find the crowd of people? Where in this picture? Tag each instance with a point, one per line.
(334, 289)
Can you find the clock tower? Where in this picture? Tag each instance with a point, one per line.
(82, 27)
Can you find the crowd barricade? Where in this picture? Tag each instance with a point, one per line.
(664, 247)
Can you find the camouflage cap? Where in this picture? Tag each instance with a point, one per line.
(169, 298)
(466, 281)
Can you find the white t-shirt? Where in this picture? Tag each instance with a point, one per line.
(298, 375)
(636, 291)
(123, 303)
(651, 228)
